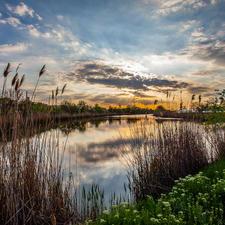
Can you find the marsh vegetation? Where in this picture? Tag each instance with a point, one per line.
(37, 188)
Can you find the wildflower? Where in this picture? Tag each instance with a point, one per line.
(127, 210)
(106, 212)
(166, 204)
(88, 221)
(114, 206)
(124, 203)
(154, 220)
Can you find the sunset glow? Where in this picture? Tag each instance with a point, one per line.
(117, 52)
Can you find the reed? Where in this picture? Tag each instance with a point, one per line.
(162, 153)
(41, 72)
(33, 188)
(5, 75)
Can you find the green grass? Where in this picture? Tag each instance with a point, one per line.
(198, 199)
(215, 118)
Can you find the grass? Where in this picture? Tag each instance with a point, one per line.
(215, 118)
(162, 153)
(197, 199)
(33, 188)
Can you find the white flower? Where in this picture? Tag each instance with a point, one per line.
(166, 204)
(105, 212)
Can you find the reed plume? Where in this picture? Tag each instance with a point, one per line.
(14, 79)
(41, 72)
(5, 75)
(63, 89)
(22, 80)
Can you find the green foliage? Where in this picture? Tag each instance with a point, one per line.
(195, 199)
(215, 118)
(39, 107)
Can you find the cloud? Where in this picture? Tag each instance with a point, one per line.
(33, 31)
(109, 149)
(13, 48)
(23, 10)
(96, 73)
(61, 37)
(97, 155)
(60, 17)
(199, 89)
(142, 94)
(11, 21)
(206, 47)
(188, 25)
(167, 7)
(111, 99)
(209, 72)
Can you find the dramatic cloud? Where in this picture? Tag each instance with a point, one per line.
(206, 47)
(96, 73)
(138, 50)
(23, 10)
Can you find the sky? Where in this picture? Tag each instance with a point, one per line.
(116, 52)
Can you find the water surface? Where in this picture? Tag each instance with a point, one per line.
(93, 151)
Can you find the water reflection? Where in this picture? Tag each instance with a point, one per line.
(93, 151)
(83, 125)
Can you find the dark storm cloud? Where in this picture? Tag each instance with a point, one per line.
(96, 73)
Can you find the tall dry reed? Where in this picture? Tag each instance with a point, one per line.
(33, 188)
(162, 153)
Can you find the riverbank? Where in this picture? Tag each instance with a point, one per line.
(197, 199)
(207, 117)
(201, 117)
(66, 122)
(42, 117)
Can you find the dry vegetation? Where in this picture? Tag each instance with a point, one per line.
(162, 153)
(33, 188)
